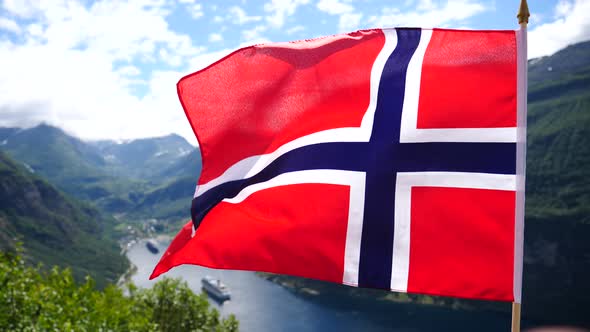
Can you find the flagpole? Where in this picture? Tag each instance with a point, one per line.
(515, 317)
(523, 19)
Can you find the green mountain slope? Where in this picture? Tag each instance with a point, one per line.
(564, 63)
(558, 168)
(172, 200)
(557, 227)
(54, 228)
(140, 179)
(559, 157)
(144, 158)
(49, 151)
(73, 166)
(170, 164)
(6, 132)
(188, 166)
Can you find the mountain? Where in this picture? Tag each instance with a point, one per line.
(558, 169)
(139, 179)
(55, 228)
(170, 201)
(172, 167)
(173, 198)
(49, 151)
(557, 225)
(6, 132)
(143, 158)
(188, 166)
(74, 166)
(170, 163)
(568, 62)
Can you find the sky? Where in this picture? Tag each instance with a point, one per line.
(108, 69)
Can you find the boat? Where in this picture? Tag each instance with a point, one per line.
(152, 246)
(215, 288)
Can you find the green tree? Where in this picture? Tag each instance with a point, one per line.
(34, 300)
(176, 308)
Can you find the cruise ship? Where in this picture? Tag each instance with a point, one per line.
(215, 288)
(152, 246)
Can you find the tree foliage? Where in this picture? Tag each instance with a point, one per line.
(33, 299)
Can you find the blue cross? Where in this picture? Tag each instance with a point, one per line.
(381, 158)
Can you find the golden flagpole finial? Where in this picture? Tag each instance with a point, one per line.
(523, 13)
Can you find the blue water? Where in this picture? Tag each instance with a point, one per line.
(261, 305)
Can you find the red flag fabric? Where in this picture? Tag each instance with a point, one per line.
(382, 158)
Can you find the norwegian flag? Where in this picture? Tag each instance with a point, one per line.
(385, 158)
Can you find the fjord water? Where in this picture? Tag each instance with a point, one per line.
(261, 305)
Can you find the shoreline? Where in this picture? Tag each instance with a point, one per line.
(126, 277)
(316, 290)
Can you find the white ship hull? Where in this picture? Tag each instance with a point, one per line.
(215, 288)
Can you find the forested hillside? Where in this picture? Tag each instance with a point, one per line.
(55, 228)
(123, 178)
(72, 165)
(557, 225)
(558, 168)
(143, 158)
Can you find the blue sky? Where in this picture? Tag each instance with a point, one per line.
(108, 69)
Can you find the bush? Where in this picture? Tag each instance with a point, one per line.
(33, 300)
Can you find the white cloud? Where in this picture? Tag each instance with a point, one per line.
(239, 16)
(21, 8)
(203, 60)
(256, 41)
(79, 68)
(35, 30)
(571, 25)
(295, 29)
(426, 5)
(349, 21)
(563, 8)
(9, 25)
(129, 71)
(334, 7)
(536, 19)
(429, 14)
(121, 31)
(215, 37)
(170, 58)
(254, 35)
(194, 9)
(281, 9)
